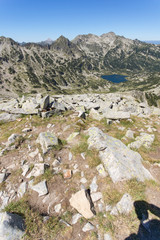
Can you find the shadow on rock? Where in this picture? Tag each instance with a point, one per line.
(148, 229)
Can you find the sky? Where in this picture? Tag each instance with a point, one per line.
(37, 20)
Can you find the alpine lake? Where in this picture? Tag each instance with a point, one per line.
(115, 78)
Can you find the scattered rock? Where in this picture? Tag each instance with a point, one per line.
(95, 114)
(80, 202)
(25, 130)
(22, 189)
(25, 169)
(75, 218)
(38, 169)
(130, 134)
(47, 140)
(72, 136)
(96, 196)
(70, 156)
(57, 208)
(124, 206)
(87, 227)
(107, 236)
(67, 174)
(40, 188)
(93, 185)
(101, 171)
(3, 176)
(34, 154)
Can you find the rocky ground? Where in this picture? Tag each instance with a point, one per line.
(79, 167)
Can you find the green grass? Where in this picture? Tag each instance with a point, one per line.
(111, 195)
(35, 227)
(136, 189)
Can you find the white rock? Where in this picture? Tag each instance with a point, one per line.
(38, 169)
(107, 236)
(70, 156)
(130, 134)
(87, 227)
(57, 208)
(25, 169)
(33, 154)
(93, 185)
(75, 218)
(22, 189)
(40, 188)
(125, 205)
(96, 196)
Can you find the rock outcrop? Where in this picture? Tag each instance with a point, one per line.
(120, 162)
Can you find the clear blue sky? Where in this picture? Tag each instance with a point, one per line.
(37, 20)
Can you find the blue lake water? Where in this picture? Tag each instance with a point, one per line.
(115, 78)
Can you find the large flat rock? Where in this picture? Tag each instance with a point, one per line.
(121, 162)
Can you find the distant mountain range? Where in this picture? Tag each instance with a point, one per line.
(65, 65)
(153, 41)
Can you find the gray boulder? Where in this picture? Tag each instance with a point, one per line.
(40, 188)
(111, 114)
(124, 206)
(11, 226)
(6, 117)
(47, 140)
(120, 162)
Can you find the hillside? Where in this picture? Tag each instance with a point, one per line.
(79, 167)
(64, 66)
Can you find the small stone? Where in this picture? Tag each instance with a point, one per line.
(75, 218)
(108, 208)
(70, 156)
(67, 174)
(38, 169)
(83, 180)
(49, 125)
(87, 227)
(107, 236)
(101, 171)
(34, 154)
(83, 155)
(93, 185)
(3, 177)
(25, 169)
(57, 208)
(47, 140)
(26, 130)
(130, 134)
(56, 163)
(40, 187)
(96, 196)
(72, 136)
(22, 189)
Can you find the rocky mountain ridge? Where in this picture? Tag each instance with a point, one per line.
(67, 66)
